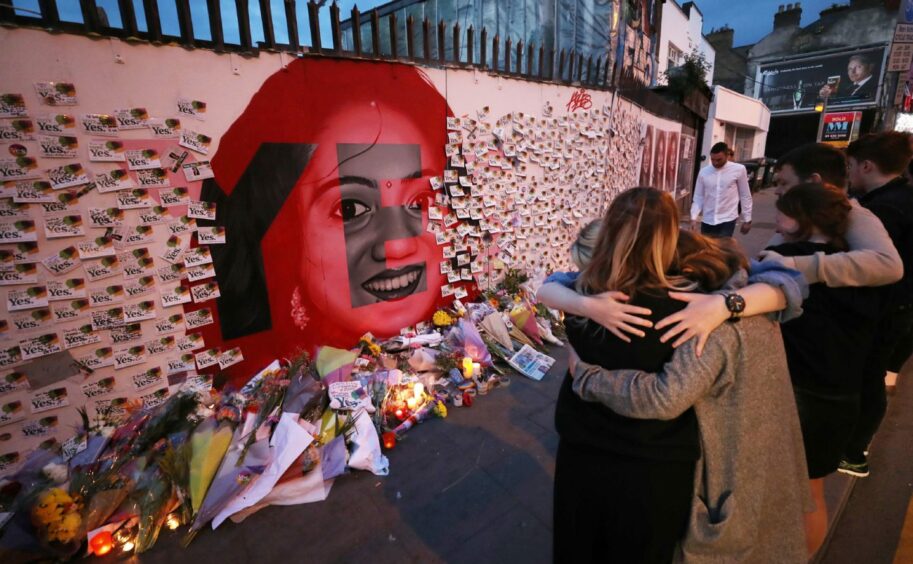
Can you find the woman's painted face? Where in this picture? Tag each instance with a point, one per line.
(368, 262)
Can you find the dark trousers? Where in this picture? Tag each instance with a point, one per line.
(611, 508)
(725, 229)
(873, 401)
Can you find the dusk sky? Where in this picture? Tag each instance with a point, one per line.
(753, 19)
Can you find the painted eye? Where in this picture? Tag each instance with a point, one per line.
(350, 209)
(420, 201)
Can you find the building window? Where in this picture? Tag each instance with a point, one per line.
(676, 57)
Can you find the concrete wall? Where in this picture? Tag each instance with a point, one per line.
(546, 159)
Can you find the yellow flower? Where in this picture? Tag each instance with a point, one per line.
(442, 318)
(440, 409)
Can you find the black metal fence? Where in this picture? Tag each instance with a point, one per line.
(426, 42)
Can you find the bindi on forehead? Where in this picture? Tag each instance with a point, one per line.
(379, 163)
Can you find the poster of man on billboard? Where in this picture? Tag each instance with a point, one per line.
(845, 79)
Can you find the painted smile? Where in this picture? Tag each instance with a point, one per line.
(395, 283)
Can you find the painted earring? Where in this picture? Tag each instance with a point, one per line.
(299, 312)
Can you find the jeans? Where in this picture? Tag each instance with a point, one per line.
(725, 229)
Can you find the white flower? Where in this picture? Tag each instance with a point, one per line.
(57, 473)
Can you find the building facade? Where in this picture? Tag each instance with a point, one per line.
(680, 35)
(840, 56)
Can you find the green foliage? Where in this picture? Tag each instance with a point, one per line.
(689, 76)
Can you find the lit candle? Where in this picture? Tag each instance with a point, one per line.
(389, 439)
(128, 546)
(410, 403)
(102, 543)
(476, 369)
(172, 522)
(467, 367)
(418, 389)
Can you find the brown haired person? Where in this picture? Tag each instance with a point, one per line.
(827, 346)
(876, 163)
(720, 188)
(623, 487)
(639, 504)
(871, 258)
(742, 508)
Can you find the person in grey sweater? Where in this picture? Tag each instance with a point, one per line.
(745, 509)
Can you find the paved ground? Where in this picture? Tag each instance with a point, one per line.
(477, 487)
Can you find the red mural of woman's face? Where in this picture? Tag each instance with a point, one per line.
(323, 183)
(367, 263)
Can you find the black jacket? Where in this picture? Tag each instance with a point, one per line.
(893, 204)
(594, 426)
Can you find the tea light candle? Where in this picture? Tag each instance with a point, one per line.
(410, 403)
(467, 367)
(389, 439)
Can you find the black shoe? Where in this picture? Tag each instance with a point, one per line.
(857, 469)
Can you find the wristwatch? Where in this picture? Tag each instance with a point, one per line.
(735, 304)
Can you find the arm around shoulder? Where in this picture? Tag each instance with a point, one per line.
(661, 395)
(871, 261)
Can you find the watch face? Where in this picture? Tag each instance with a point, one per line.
(735, 303)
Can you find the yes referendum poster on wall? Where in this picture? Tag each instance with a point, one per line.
(846, 79)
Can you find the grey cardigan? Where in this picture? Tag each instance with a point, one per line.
(751, 484)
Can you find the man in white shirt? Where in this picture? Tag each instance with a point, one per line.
(719, 190)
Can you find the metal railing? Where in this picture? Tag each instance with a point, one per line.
(427, 43)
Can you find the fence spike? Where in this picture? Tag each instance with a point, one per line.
(394, 43)
(483, 48)
(410, 40)
(291, 20)
(334, 27)
(266, 18)
(456, 43)
(90, 15)
(541, 61)
(127, 16)
(495, 45)
(356, 30)
(243, 24)
(314, 24)
(185, 24)
(375, 34)
(441, 41)
(426, 39)
(507, 48)
(470, 45)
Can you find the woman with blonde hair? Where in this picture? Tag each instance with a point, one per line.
(625, 487)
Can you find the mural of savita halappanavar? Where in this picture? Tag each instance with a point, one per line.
(322, 185)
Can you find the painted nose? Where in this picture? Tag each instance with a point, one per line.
(396, 237)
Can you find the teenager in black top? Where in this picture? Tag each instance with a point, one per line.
(875, 164)
(623, 487)
(827, 346)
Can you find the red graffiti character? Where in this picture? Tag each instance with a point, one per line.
(580, 100)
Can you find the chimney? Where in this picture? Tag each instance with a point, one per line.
(788, 16)
(721, 39)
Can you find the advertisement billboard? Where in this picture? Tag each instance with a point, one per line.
(841, 128)
(845, 79)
